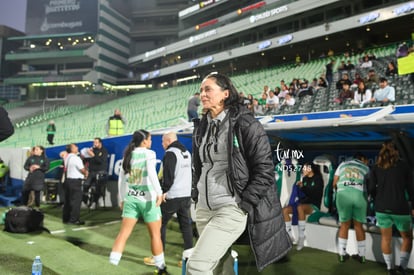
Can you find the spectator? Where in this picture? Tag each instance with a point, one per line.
(304, 89)
(289, 100)
(75, 173)
(362, 96)
(192, 109)
(371, 80)
(345, 94)
(283, 91)
(357, 80)
(262, 101)
(344, 79)
(272, 102)
(385, 93)
(322, 83)
(366, 63)
(342, 67)
(349, 66)
(277, 91)
(257, 109)
(329, 71)
(311, 186)
(37, 164)
(176, 188)
(140, 197)
(232, 202)
(295, 85)
(116, 124)
(51, 130)
(391, 69)
(351, 203)
(266, 90)
(98, 171)
(6, 127)
(390, 183)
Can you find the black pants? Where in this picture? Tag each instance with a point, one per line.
(97, 181)
(50, 138)
(73, 200)
(181, 206)
(25, 197)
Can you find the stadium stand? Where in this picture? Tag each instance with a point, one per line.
(167, 107)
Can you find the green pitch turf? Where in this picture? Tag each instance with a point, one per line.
(85, 250)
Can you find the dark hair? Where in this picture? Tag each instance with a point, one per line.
(388, 155)
(382, 79)
(360, 156)
(225, 83)
(98, 139)
(69, 148)
(137, 138)
(314, 167)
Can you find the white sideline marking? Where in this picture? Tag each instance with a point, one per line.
(82, 228)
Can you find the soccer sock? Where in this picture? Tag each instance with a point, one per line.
(388, 260)
(288, 227)
(361, 248)
(404, 258)
(342, 246)
(115, 257)
(159, 261)
(302, 229)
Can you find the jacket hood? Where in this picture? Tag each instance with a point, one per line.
(177, 144)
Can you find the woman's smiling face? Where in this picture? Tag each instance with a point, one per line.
(212, 96)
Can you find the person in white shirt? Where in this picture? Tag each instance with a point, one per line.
(362, 95)
(366, 63)
(385, 93)
(72, 186)
(272, 102)
(289, 100)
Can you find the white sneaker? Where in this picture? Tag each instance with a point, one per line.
(301, 243)
(292, 239)
(93, 206)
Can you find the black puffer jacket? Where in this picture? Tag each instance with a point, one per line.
(252, 176)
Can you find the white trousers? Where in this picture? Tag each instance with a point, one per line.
(218, 230)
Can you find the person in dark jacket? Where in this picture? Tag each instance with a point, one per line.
(6, 127)
(390, 180)
(233, 183)
(51, 130)
(37, 164)
(311, 186)
(97, 160)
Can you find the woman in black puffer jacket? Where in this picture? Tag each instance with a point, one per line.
(233, 181)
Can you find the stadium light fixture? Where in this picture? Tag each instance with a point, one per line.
(70, 83)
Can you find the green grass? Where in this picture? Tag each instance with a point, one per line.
(72, 251)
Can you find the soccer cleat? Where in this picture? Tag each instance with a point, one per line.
(301, 243)
(162, 271)
(149, 261)
(359, 258)
(343, 258)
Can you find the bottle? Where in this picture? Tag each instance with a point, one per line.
(37, 266)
